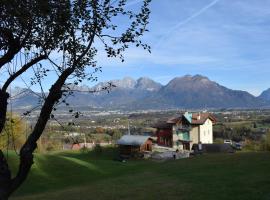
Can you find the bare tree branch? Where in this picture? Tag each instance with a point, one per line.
(22, 70)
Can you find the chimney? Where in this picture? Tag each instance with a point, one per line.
(199, 116)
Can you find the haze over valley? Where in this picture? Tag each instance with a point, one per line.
(186, 92)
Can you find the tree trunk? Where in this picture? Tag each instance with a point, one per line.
(3, 105)
(9, 185)
(5, 177)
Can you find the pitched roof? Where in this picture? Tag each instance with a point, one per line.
(200, 118)
(168, 123)
(134, 140)
(163, 125)
(187, 116)
(191, 118)
(174, 120)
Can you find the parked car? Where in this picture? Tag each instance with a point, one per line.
(228, 142)
(237, 146)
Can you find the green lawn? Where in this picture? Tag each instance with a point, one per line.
(87, 176)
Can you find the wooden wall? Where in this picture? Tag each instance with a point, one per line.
(132, 150)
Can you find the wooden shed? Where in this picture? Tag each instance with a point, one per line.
(130, 145)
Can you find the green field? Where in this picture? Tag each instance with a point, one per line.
(89, 176)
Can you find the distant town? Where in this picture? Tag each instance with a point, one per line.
(245, 127)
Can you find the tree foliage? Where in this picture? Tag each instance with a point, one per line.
(265, 142)
(13, 135)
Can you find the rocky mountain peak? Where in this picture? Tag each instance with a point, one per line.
(126, 82)
(188, 81)
(265, 95)
(182, 92)
(145, 83)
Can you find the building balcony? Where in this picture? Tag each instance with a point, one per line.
(184, 137)
(181, 136)
(183, 128)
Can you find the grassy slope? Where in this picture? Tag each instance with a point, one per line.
(86, 176)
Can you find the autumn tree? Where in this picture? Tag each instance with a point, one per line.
(74, 32)
(13, 135)
(116, 134)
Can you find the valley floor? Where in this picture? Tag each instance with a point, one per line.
(74, 175)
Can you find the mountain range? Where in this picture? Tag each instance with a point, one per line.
(187, 92)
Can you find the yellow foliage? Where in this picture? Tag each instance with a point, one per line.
(13, 135)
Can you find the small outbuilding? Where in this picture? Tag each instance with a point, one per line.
(130, 145)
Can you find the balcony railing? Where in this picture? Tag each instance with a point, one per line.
(183, 128)
(183, 135)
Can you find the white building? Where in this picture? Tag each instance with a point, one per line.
(184, 131)
(192, 129)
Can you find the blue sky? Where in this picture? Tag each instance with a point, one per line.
(225, 40)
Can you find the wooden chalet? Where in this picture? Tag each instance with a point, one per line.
(129, 145)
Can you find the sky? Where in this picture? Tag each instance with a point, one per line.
(226, 40)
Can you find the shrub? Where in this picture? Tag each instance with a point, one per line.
(116, 135)
(251, 145)
(265, 142)
(97, 149)
(218, 141)
(84, 150)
